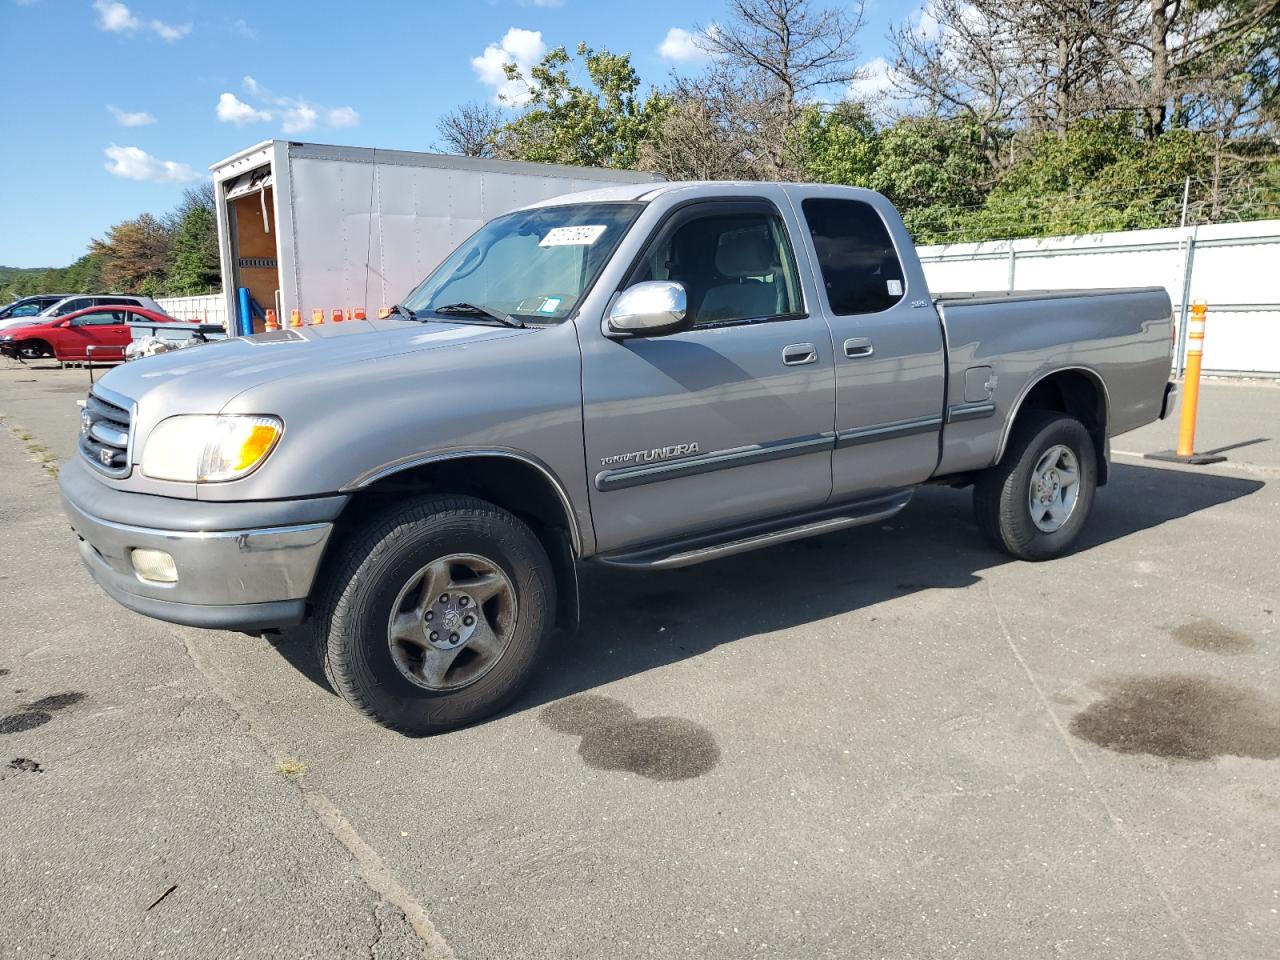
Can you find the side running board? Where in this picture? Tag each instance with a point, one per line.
(766, 533)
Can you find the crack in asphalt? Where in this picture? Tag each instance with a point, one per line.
(1116, 822)
(373, 870)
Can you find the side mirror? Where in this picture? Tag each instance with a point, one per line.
(64, 323)
(653, 308)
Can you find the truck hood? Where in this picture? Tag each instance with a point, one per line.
(203, 379)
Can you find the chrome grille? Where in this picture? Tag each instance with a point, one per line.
(105, 433)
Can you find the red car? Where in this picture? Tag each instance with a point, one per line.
(69, 338)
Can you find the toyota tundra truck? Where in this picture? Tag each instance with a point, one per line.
(643, 375)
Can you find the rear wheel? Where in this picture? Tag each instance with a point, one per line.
(435, 615)
(1036, 500)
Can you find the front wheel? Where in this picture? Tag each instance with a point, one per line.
(32, 350)
(434, 616)
(1036, 500)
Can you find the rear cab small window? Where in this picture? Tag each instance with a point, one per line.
(860, 267)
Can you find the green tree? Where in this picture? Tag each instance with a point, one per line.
(840, 145)
(194, 267)
(1103, 174)
(936, 172)
(602, 124)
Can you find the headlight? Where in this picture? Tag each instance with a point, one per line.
(209, 449)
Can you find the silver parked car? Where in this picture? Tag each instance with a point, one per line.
(67, 304)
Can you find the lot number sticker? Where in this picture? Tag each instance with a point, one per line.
(582, 236)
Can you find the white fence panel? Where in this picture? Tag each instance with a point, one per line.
(206, 309)
(1234, 267)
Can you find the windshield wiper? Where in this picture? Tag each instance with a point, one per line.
(471, 310)
(403, 311)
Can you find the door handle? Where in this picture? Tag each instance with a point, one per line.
(796, 354)
(855, 348)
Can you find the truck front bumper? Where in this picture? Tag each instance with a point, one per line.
(230, 572)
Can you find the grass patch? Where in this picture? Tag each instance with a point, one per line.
(291, 767)
(22, 433)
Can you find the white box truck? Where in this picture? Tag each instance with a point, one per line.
(308, 226)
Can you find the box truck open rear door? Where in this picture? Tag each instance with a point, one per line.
(250, 210)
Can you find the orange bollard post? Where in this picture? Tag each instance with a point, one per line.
(317, 316)
(359, 313)
(337, 315)
(272, 324)
(295, 317)
(1185, 453)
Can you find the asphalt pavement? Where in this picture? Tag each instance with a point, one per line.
(890, 742)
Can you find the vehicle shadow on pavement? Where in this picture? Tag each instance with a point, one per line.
(634, 621)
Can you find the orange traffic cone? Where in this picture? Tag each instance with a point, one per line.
(337, 315)
(271, 321)
(295, 317)
(317, 316)
(359, 313)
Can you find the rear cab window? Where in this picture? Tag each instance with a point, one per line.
(860, 268)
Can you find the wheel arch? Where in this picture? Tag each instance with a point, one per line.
(1076, 390)
(513, 481)
(35, 341)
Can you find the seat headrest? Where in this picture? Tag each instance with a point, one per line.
(745, 253)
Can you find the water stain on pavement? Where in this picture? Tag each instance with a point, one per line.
(613, 738)
(1212, 637)
(39, 713)
(24, 720)
(1181, 717)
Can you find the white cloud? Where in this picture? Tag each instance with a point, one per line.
(926, 22)
(169, 31)
(299, 118)
(296, 114)
(115, 17)
(343, 117)
(231, 109)
(874, 83)
(524, 48)
(127, 119)
(541, 3)
(133, 163)
(682, 46)
(246, 31)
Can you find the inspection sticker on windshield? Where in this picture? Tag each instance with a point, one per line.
(550, 305)
(582, 236)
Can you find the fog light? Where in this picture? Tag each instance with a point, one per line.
(154, 565)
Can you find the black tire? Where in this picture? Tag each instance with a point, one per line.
(1000, 494)
(32, 350)
(367, 574)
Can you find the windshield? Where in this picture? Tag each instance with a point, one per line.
(533, 265)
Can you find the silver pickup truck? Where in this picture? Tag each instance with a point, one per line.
(643, 375)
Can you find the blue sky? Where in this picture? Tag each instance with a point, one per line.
(157, 90)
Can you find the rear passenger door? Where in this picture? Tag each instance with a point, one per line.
(890, 365)
(723, 423)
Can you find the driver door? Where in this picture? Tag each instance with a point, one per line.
(104, 330)
(723, 423)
